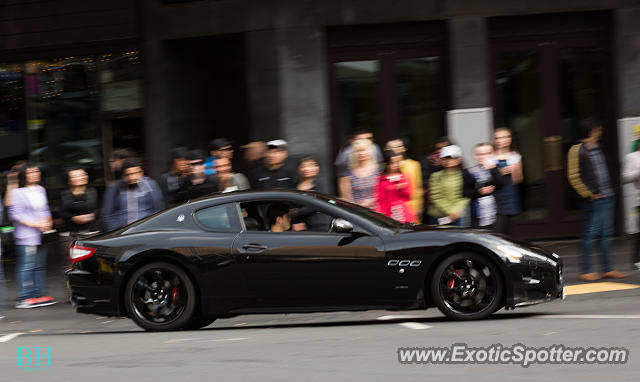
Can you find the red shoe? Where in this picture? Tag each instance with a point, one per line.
(44, 301)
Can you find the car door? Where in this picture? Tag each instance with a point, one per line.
(223, 286)
(310, 269)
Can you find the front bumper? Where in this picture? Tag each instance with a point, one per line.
(535, 282)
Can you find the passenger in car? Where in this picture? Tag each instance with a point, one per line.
(279, 219)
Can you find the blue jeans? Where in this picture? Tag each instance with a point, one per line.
(31, 270)
(598, 224)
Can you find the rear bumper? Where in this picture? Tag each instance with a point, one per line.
(89, 296)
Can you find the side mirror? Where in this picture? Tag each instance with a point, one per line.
(339, 225)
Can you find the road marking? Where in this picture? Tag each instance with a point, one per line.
(106, 322)
(229, 339)
(596, 316)
(414, 325)
(36, 331)
(181, 340)
(396, 317)
(9, 337)
(597, 287)
(240, 324)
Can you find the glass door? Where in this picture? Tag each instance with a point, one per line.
(542, 90)
(399, 93)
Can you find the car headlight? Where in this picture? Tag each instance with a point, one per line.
(517, 254)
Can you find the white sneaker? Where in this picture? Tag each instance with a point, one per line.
(636, 266)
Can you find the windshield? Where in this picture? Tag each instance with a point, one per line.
(365, 213)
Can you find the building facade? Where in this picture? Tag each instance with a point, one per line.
(79, 78)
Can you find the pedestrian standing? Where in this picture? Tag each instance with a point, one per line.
(448, 203)
(275, 173)
(509, 162)
(481, 182)
(2, 281)
(343, 160)
(134, 197)
(118, 156)
(218, 148)
(393, 194)
(589, 176)
(79, 211)
(364, 174)
(631, 174)
(30, 214)
(174, 184)
(199, 183)
(228, 180)
(308, 170)
(413, 171)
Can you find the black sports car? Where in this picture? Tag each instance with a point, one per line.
(219, 257)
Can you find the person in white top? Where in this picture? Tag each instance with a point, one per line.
(631, 174)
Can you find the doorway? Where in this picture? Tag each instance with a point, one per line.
(543, 87)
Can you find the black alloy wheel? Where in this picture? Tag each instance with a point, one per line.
(160, 296)
(467, 286)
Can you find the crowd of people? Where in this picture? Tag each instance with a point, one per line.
(438, 189)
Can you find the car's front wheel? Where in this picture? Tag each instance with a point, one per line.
(160, 296)
(467, 286)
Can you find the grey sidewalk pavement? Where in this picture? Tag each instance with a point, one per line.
(569, 251)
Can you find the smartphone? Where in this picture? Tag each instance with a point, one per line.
(444, 220)
(502, 163)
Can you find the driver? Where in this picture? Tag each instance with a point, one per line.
(279, 219)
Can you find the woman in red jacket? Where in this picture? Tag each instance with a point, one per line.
(393, 191)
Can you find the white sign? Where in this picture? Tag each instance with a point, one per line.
(628, 131)
(468, 127)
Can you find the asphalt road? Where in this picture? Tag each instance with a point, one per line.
(325, 346)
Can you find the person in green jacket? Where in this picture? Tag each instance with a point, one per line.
(447, 202)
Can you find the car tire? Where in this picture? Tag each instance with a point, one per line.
(140, 291)
(471, 271)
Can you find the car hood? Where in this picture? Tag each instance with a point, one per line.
(452, 234)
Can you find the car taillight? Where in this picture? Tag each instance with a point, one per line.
(79, 253)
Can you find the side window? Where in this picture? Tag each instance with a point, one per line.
(302, 217)
(219, 218)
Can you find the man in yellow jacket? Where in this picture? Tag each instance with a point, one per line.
(589, 176)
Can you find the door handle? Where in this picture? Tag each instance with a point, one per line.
(254, 247)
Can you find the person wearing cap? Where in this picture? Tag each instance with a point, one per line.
(218, 148)
(200, 184)
(274, 173)
(448, 203)
(174, 183)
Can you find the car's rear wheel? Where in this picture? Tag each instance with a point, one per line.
(160, 296)
(467, 286)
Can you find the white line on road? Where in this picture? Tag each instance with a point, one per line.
(181, 340)
(229, 339)
(598, 316)
(414, 325)
(9, 337)
(396, 317)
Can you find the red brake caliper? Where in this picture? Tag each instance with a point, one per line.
(452, 282)
(174, 294)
